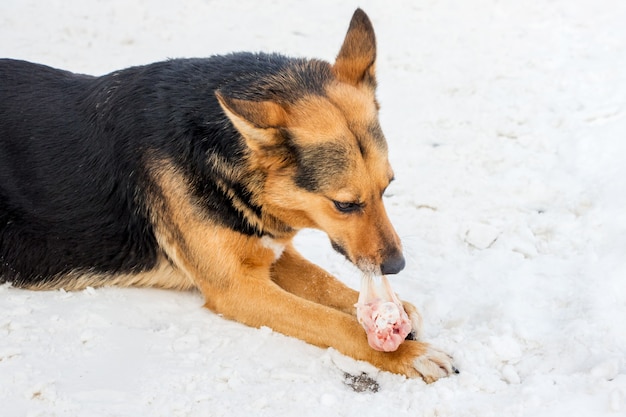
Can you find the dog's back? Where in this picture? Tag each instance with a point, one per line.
(76, 196)
(65, 202)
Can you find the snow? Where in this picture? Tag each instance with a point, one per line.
(506, 122)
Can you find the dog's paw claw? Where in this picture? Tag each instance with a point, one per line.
(434, 364)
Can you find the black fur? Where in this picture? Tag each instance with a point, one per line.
(75, 191)
(317, 163)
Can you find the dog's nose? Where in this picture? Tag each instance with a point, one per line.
(393, 265)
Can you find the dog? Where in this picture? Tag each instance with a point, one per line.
(197, 174)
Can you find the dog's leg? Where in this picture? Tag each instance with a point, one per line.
(297, 275)
(255, 299)
(236, 283)
(234, 273)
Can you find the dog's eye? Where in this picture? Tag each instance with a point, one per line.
(349, 207)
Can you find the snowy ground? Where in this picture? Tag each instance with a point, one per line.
(507, 127)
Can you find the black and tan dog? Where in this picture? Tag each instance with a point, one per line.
(197, 173)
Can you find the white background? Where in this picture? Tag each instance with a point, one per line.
(507, 131)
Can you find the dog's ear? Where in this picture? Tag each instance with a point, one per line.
(355, 63)
(257, 121)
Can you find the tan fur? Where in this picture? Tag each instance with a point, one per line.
(241, 279)
(355, 63)
(337, 118)
(164, 275)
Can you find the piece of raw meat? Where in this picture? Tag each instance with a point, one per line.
(382, 316)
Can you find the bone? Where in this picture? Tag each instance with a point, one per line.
(381, 314)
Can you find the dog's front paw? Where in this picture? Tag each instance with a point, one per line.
(416, 321)
(434, 364)
(416, 359)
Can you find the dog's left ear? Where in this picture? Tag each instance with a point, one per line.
(355, 63)
(257, 121)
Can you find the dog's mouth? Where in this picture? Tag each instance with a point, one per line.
(365, 265)
(391, 264)
(340, 249)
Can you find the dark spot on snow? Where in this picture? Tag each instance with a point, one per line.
(361, 383)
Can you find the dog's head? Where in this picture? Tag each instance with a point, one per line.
(315, 134)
